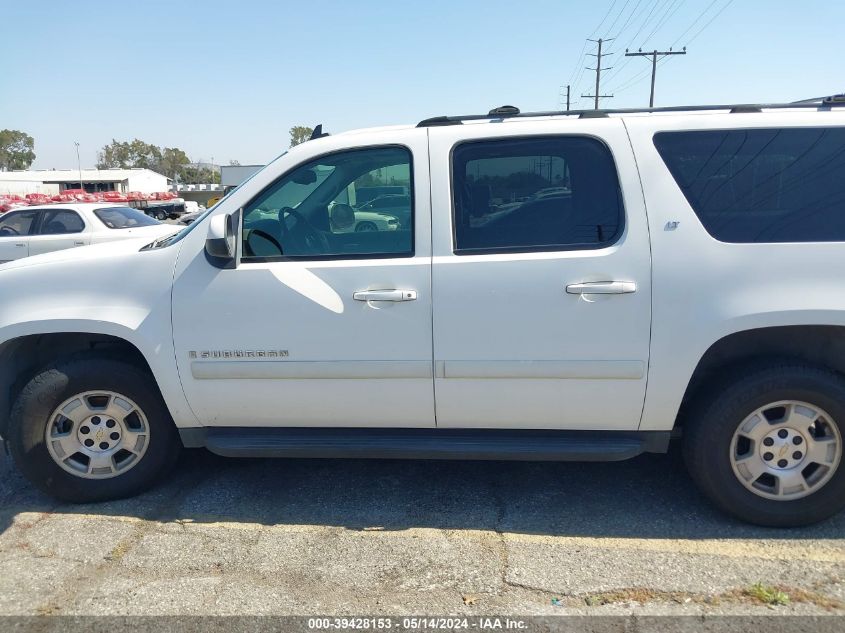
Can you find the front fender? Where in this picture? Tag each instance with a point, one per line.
(115, 290)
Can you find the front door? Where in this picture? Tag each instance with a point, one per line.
(541, 276)
(15, 227)
(326, 321)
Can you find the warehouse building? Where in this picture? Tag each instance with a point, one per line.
(54, 181)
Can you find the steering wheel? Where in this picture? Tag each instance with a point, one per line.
(9, 230)
(311, 238)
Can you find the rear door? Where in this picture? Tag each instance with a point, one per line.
(59, 229)
(541, 276)
(15, 228)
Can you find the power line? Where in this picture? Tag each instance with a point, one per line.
(694, 22)
(630, 17)
(653, 54)
(579, 69)
(722, 10)
(598, 55)
(639, 30)
(670, 11)
(639, 76)
(671, 8)
(613, 4)
(618, 15)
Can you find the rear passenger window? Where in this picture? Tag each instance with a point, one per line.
(61, 221)
(762, 185)
(535, 194)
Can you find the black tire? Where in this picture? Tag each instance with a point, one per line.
(715, 416)
(160, 216)
(365, 227)
(52, 386)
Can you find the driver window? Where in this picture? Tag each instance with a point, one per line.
(324, 209)
(17, 223)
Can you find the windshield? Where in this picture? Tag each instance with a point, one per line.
(123, 217)
(172, 239)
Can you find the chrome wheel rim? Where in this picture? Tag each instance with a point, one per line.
(786, 450)
(97, 434)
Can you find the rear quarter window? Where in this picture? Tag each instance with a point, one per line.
(762, 185)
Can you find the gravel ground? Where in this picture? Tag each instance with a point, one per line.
(225, 536)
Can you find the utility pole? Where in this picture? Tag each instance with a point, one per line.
(560, 96)
(598, 55)
(79, 165)
(653, 54)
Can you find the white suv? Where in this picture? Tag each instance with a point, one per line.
(570, 287)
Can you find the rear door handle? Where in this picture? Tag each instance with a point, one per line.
(385, 295)
(602, 288)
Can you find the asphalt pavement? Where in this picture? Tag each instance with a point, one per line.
(319, 537)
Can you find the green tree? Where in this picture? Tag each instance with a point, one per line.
(125, 155)
(300, 134)
(16, 150)
(173, 162)
(169, 161)
(196, 174)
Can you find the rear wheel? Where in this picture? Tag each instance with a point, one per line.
(160, 216)
(92, 429)
(767, 445)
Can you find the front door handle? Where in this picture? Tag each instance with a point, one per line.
(19, 245)
(602, 288)
(385, 295)
(79, 243)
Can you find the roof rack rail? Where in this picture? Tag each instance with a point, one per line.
(737, 108)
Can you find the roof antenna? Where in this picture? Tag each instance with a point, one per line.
(505, 110)
(318, 132)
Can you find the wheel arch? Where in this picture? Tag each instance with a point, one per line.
(822, 345)
(22, 357)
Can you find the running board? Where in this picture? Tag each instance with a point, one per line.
(482, 444)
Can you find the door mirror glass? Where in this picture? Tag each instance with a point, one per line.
(221, 242)
(342, 216)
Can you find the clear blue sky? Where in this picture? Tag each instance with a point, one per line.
(227, 79)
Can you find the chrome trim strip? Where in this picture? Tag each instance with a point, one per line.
(545, 369)
(308, 370)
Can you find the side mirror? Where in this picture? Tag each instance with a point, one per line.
(221, 244)
(305, 177)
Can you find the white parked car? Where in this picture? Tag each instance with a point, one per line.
(35, 230)
(687, 284)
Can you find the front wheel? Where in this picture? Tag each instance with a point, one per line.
(366, 227)
(92, 429)
(767, 446)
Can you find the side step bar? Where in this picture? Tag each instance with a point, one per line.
(470, 444)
